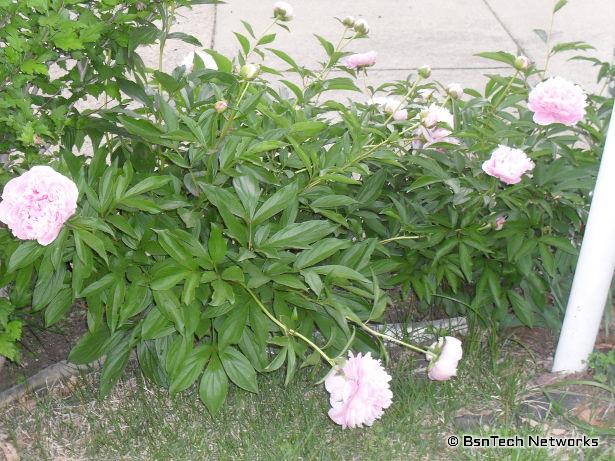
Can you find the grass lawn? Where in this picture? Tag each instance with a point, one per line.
(138, 421)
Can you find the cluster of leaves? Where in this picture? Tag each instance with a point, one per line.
(215, 243)
(602, 365)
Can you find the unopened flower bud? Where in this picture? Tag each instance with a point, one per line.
(425, 71)
(349, 21)
(282, 11)
(522, 62)
(361, 27)
(249, 71)
(454, 90)
(220, 106)
(140, 6)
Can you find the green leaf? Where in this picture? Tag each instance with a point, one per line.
(168, 278)
(232, 328)
(169, 307)
(244, 42)
(216, 245)
(239, 369)
(91, 346)
(307, 129)
(115, 363)
(67, 40)
(191, 39)
(214, 385)
(248, 192)
(333, 201)
(190, 369)
(93, 242)
(24, 255)
(233, 274)
(320, 251)
(465, 261)
(121, 223)
(60, 304)
(559, 5)
(299, 235)
(276, 203)
(99, 285)
(500, 56)
(342, 272)
(148, 184)
(522, 308)
(174, 248)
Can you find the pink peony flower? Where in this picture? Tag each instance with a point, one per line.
(508, 164)
(447, 353)
(359, 391)
(431, 130)
(499, 222)
(391, 105)
(401, 114)
(557, 100)
(36, 204)
(360, 60)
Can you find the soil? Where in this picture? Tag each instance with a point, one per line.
(43, 347)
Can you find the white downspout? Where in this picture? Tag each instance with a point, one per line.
(594, 271)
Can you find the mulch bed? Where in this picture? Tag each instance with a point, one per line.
(41, 347)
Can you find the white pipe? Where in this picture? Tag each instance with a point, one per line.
(594, 271)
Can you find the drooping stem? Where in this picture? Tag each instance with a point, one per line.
(391, 338)
(289, 331)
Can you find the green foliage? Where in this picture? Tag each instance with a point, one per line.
(602, 365)
(218, 244)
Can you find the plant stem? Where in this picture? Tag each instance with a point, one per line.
(406, 96)
(289, 331)
(548, 44)
(503, 93)
(390, 338)
(400, 237)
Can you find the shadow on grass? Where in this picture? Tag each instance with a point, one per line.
(141, 422)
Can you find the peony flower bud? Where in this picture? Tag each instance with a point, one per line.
(359, 391)
(349, 21)
(454, 90)
(220, 106)
(360, 60)
(522, 62)
(447, 353)
(425, 71)
(249, 71)
(282, 11)
(361, 27)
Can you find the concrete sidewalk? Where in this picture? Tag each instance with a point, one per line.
(409, 33)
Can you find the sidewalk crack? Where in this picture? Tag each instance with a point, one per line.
(507, 30)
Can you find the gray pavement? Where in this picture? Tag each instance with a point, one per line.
(409, 33)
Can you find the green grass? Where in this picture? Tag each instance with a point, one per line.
(140, 422)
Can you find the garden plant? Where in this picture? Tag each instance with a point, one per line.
(235, 218)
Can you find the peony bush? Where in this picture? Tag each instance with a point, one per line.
(231, 221)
